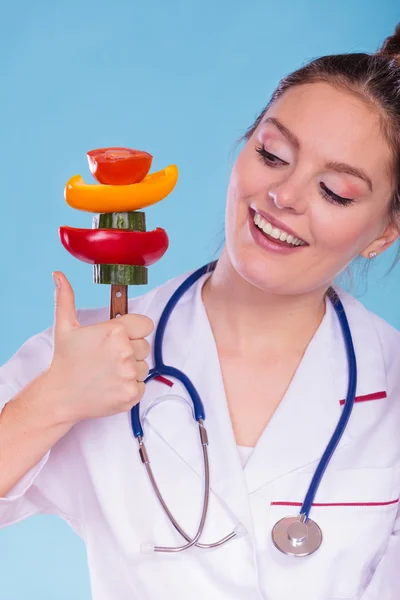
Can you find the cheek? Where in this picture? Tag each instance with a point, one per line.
(234, 195)
(342, 232)
(244, 183)
(237, 185)
(231, 202)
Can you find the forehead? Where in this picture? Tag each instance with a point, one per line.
(333, 124)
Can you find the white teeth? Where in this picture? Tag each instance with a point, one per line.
(267, 227)
(275, 232)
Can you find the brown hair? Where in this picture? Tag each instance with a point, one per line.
(374, 78)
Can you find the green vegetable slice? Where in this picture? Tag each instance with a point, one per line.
(120, 274)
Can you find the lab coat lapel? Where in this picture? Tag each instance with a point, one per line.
(371, 394)
(189, 345)
(227, 476)
(304, 421)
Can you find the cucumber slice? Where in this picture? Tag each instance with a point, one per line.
(120, 274)
(134, 221)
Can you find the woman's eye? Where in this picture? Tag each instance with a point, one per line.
(268, 158)
(273, 161)
(332, 197)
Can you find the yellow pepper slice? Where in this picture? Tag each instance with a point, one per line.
(120, 198)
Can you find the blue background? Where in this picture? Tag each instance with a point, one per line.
(181, 79)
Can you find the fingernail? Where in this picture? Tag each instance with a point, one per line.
(56, 281)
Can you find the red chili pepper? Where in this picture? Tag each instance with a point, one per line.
(115, 246)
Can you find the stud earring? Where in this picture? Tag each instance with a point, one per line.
(372, 255)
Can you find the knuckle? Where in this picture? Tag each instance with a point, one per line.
(126, 351)
(133, 371)
(117, 329)
(127, 370)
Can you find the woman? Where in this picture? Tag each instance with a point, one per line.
(316, 185)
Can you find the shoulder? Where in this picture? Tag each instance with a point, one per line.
(388, 335)
(382, 338)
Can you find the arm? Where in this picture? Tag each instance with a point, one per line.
(28, 429)
(30, 467)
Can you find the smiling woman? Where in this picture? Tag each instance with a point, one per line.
(297, 383)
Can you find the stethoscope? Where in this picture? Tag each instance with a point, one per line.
(293, 535)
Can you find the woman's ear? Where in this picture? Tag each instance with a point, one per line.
(383, 242)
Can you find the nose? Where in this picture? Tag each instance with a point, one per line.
(287, 196)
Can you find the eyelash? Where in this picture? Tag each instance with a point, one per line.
(268, 159)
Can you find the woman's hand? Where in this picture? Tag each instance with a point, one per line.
(96, 370)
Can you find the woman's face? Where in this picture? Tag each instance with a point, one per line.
(317, 170)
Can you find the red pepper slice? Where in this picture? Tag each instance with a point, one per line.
(119, 166)
(115, 246)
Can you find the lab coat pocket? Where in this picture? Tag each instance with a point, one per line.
(355, 510)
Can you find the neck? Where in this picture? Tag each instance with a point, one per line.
(253, 321)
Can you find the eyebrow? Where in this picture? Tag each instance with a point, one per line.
(334, 165)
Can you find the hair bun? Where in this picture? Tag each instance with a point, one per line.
(391, 46)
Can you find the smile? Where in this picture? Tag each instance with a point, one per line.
(275, 232)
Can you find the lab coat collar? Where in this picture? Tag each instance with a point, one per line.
(306, 417)
(303, 423)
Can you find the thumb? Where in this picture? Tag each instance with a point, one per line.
(65, 317)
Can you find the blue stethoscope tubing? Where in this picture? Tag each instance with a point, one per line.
(161, 369)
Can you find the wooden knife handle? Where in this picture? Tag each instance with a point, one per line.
(118, 301)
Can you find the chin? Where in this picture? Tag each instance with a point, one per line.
(267, 273)
(259, 272)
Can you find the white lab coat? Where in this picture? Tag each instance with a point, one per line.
(94, 479)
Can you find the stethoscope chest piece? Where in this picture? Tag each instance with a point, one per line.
(295, 537)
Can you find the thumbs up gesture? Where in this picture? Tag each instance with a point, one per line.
(100, 368)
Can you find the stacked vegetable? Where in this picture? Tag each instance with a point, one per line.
(118, 244)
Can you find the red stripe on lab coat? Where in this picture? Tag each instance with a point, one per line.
(375, 396)
(164, 380)
(337, 503)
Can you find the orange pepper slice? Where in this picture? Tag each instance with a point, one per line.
(120, 198)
